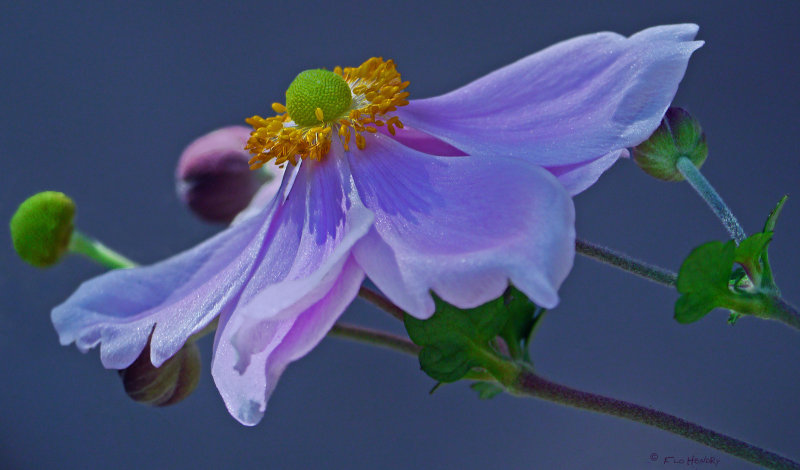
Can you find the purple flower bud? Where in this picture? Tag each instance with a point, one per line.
(213, 176)
(175, 380)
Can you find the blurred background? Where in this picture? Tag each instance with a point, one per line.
(99, 99)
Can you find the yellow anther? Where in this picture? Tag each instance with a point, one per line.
(278, 108)
(319, 115)
(361, 143)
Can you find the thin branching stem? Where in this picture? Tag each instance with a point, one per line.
(374, 338)
(381, 302)
(626, 263)
(533, 385)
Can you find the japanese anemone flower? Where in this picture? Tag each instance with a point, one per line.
(458, 195)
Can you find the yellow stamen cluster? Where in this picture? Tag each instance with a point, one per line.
(377, 90)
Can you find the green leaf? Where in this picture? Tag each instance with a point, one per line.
(487, 390)
(692, 307)
(708, 267)
(523, 316)
(752, 247)
(750, 255)
(454, 340)
(769, 226)
(703, 280)
(767, 280)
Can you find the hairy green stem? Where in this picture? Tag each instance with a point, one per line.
(626, 263)
(712, 198)
(530, 384)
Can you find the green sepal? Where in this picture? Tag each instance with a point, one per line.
(487, 390)
(679, 135)
(769, 225)
(454, 341)
(767, 280)
(523, 317)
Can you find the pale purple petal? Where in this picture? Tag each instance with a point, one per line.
(569, 103)
(272, 344)
(181, 294)
(303, 276)
(460, 226)
(422, 142)
(576, 177)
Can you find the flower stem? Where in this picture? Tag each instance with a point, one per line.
(783, 312)
(96, 251)
(626, 263)
(381, 302)
(374, 337)
(528, 383)
(532, 385)
(712, 198)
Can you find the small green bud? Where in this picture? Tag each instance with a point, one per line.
(42, 227)
(678, 135)
(175, 380)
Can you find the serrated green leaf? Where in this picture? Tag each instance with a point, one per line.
(769, 225)
(487, 390)
(454, 340)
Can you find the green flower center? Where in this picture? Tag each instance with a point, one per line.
(317, 96)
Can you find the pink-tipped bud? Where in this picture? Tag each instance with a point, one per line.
(214, 177)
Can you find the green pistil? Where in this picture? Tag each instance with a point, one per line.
(313, 89)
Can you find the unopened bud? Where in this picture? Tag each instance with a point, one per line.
(214, 177)
(678, 135)
(175, 380)
(42, 227)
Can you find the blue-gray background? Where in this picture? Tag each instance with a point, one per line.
(99, 98)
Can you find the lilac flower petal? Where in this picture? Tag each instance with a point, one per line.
(303, 283)
(275, 343)
(461, 226)
(181, 294)
(576, 177)
(422, 142)
(569, 103)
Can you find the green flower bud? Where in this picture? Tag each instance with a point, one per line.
(678, 135)
(42, 227)
(175, 380)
